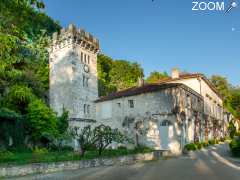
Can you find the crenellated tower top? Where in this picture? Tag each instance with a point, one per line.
(74, 36)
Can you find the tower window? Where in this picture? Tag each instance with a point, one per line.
(85, 108)
(81, 56)
(85, 58)
(84, 79)
(131, 103)
(119, 104)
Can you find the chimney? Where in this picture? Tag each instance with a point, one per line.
(175, 73)
(140, 82)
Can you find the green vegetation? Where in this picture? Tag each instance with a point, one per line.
(235, 146)
(116, 74)
(156, 76)
(99, 138)
(200, 145)
(43, 155)
(230, 94)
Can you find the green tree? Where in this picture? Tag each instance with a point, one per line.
(125, 74)
(105, 135)
(84, 137)
(41, 121)
(116, 74)
(24, 37)
(221, 84)
(156, 76)
(104, 66)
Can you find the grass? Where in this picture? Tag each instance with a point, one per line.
(20, 158)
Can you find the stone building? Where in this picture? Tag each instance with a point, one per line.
(73, 74)
(163, 116)
(213, 103)
(166, 115)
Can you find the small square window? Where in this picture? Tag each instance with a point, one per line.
(119, 105)
(131, 103)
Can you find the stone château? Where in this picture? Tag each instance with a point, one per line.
(166, 115)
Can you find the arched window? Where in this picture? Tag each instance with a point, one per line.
(165, 123)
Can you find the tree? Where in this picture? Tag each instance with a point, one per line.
(84, 137)
(24, 37)
(156, 76)
(221, 84)
(41, 122)
(105, 135)
(104, 66)
(116, 74)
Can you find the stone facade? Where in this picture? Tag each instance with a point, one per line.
(164, 117)
(167, 115)
(215, 121)
(73, 74)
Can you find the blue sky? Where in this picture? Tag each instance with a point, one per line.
(159, 35)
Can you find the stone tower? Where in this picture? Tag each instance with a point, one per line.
(73, 74)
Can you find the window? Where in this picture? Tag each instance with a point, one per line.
(88, 61)
(166, 123)
(85, 109)
(81, 56)
(85, 58)
(188, 101)
(131, 103)
(84, 79)
(119, 104)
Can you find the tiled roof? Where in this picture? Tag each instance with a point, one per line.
(142, 89)
(192, 75)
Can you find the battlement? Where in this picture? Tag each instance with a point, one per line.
(74, 36)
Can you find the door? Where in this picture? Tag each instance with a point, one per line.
(165, 133)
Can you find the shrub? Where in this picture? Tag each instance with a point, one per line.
(42, 121)
(142, 149)
(205, 143)
(122, 148)
(5, 153)
(222, 139)
(235, 147)
(191, 147)
(39, 151)
(212, 142)
(199, 145)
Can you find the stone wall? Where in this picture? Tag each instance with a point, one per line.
(154, 119)
(10, 171)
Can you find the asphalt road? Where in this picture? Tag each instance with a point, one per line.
(213, 163)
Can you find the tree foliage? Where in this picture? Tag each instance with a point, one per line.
(24, 37)
(41, 120)
(105, 135)
(230, 94)
(84, 137)
(116, 74)
(156, 76)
